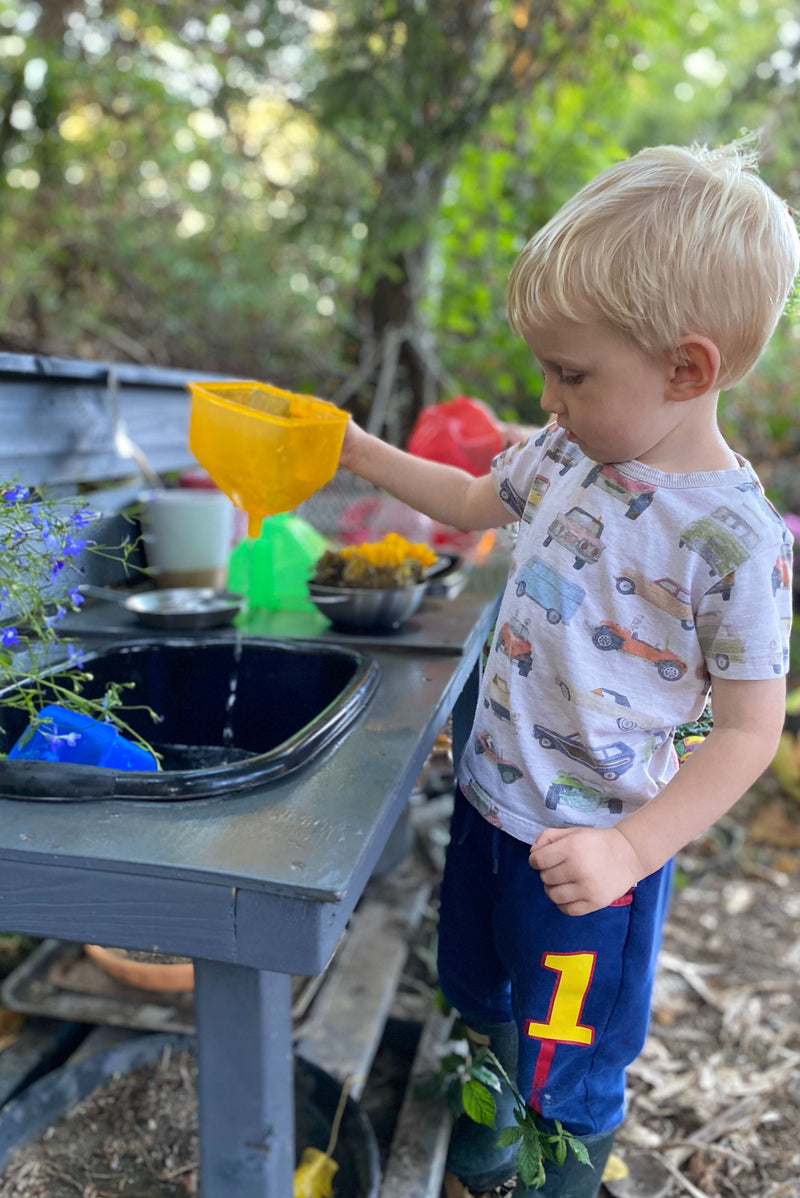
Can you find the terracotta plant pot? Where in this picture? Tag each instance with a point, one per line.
(152, 973)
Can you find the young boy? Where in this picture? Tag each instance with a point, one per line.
(649, 570)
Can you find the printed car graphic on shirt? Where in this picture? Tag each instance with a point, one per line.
(559, 598)
(724, 586)
(720, 641)
(609, 702)
(499, 700)
(567, 455)
(664, 593)
(510, 496)
(480, 798)
(580, 532)
(484, 746)
(722, 539)
(513, 641)
(539, 488)
(782, 570)
(574, 793)
(607, 760)
(608, 635)
(636, 494)
(780, 655)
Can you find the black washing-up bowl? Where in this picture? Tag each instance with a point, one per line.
(233, 715)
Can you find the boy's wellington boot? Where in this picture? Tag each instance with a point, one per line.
(574, 1179)
(473, 1155)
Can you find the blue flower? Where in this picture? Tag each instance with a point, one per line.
(41, 542)
(57, 615)
(74, 656)
(15, 494)
(73, 546)
(62, 738)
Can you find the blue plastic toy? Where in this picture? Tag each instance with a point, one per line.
(66, 736)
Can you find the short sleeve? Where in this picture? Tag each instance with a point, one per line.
(744, 620)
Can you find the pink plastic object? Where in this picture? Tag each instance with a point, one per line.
(371, 518)
(461, 432)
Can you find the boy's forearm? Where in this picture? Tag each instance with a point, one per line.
(442, 492)
(707, 785)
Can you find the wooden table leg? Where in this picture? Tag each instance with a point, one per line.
(245, 1081)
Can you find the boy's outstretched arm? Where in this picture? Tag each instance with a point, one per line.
(442, 492)
(584, 869)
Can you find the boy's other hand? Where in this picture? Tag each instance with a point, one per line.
(585, 869)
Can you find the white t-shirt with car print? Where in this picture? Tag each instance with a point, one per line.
(628, 588)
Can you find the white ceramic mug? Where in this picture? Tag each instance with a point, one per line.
(187, 536)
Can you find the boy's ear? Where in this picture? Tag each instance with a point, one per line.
(695, 368)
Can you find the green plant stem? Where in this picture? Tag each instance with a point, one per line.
(470, 1078)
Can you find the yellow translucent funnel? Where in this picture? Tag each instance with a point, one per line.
(267, 449)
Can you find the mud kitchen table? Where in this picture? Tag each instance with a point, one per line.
(257, 886)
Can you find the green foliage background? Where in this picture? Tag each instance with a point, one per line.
(265, 188)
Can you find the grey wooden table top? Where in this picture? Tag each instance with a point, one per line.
(303, 836)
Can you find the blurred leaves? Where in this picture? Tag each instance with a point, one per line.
(262, 189)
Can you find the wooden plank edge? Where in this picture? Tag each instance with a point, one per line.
(347, 1019)
(419, 1146)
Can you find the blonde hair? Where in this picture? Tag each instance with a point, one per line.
(669, 242)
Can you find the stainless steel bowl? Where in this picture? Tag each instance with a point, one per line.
(366, 608)
(181, 607)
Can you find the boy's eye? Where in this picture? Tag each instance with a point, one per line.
(568, 378)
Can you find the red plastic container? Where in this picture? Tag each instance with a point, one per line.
(461, 432)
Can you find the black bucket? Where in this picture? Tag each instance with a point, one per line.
(317, 1096)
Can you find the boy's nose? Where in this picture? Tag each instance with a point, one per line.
(550, 401)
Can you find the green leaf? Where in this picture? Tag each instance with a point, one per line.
(508, 1136)
(529, 1162)
(478, 1103)
(482, 1073)
(579, 1151)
